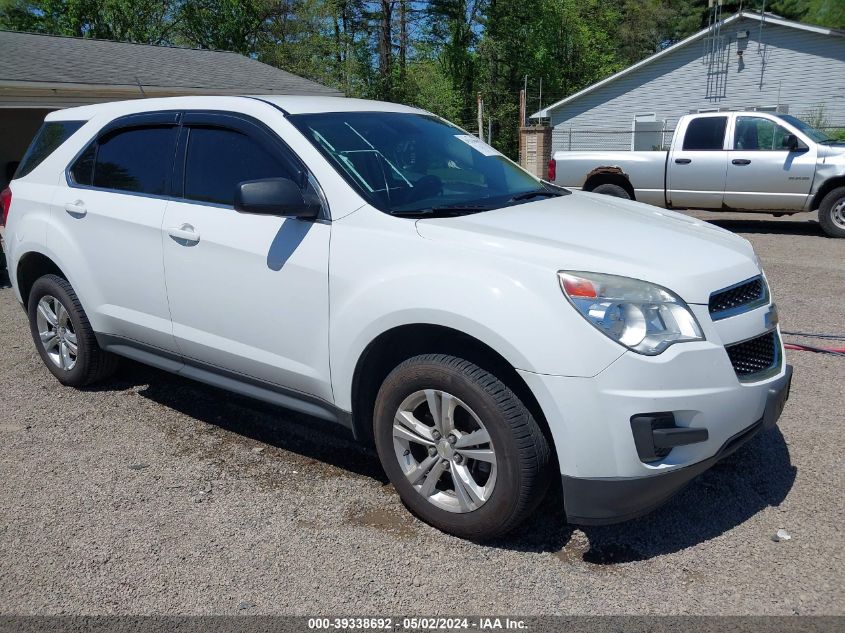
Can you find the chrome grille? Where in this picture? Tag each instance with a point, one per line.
(755, 356)
(738, 298)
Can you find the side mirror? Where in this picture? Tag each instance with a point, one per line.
(274, 196)
(794, 144)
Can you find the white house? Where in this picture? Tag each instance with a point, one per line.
(749, 61)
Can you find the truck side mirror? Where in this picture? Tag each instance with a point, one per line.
(794, 144)
(274, 196)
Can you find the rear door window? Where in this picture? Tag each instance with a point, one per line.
(706, 133)
(47, 140)
(137, 160)
(220, 158)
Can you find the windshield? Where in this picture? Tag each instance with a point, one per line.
(403, 163)
(817, 135)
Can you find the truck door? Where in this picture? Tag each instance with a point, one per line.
(762, 172)
(695, 174)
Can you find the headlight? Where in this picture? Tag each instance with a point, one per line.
(641, 316)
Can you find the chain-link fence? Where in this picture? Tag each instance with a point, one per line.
(621, 139)
(610, 139)
(836, 132)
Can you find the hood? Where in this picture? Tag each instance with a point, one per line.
(596, 233)
(834, 152)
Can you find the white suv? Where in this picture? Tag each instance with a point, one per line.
(373, 265)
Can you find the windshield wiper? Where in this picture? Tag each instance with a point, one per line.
(454, 209)
(536, 193)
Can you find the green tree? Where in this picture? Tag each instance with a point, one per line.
(144, 21)
(230, 25)
(429, 85)
(567, 44)
(454, 27)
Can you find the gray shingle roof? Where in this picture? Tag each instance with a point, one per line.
(29, 57)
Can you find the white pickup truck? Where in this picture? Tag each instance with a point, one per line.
(723, 161)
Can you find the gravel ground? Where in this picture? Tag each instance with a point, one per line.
(153, 495)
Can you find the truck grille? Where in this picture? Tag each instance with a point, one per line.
(755, 356)
(738, 298)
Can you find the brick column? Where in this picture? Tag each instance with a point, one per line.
(535, 148)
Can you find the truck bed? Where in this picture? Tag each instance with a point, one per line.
(646, 170)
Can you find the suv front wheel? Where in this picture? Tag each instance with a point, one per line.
(463, 452)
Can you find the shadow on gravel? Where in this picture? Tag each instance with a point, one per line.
(781, 227)
(304, 435)
(758, 475)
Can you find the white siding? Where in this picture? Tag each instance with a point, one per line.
(797, 68)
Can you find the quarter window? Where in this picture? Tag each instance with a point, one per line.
(706, 133)
(758, 134)
(46, 141)
(218, 159)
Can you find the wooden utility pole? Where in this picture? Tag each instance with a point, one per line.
(385, 49)
(480, 117)
(521, 108)
(540, 98)
(521, 124)
(403, 41)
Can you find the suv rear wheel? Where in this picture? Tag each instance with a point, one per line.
(463, 452)
(63, 335)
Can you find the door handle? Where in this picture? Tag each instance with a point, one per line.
(741, 161)
(185, 232)
(683, 161)
(76, 208)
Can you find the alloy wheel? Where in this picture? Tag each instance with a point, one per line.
(55, 330)
(444, 450)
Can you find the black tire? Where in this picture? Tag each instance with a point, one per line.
(92, 363)
(832, 213)
(608, 189)
(521, 449)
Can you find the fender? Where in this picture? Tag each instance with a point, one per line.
(442, 283)
(602, 170)
(27, 231)
(346, 360)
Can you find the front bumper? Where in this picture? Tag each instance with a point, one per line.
(600, 501)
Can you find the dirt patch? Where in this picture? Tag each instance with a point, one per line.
(579, 550)
(401, 525)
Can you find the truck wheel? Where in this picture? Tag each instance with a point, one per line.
(462, 451)
(63, 336)
(609, 189)
(832, 213)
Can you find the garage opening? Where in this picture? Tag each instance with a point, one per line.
(17, 128)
